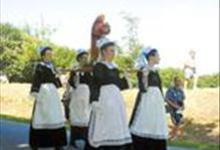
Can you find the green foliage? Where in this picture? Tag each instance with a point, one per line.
(209, 81)
(19, 55)
(126, 63)
(10, 50)
(205, 81)
(64, 57)
(132, 43)
(168, 74)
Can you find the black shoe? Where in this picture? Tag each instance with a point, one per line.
(58, 148)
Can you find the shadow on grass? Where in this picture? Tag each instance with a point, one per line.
(198, 136)
(201, 132)
(17, 119)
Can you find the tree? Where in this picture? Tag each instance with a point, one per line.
(10, 48)
(19, 55)
(131, 38)
(42, 31)
(168, 74)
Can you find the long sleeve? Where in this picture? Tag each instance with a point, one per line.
(36, 82)
(161, 89)
(71, 79)
(98, 76)
(140, 81)
(160, 85)
(58, 82)
(124, 84)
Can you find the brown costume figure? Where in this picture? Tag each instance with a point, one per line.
(100, 28)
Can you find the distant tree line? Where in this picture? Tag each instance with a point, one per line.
(18, 57)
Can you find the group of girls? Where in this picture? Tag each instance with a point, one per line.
(97, 113)
(93, 101)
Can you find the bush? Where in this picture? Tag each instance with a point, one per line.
(168, 74)
(19, 55)
(18, 58)
(209, 81)
(125, 63)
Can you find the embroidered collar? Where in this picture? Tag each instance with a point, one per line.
(150, 68)
(111, 65)
(48, 65)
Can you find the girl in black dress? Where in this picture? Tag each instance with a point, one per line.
(47, 125)
(79, 114)
(108, 129)
(148, 123)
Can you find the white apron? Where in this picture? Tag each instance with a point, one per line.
(48, 112)
(150, 117)
(80, 106)
(108, 124)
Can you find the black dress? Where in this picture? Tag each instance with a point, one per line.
(44, 131)
(106, 93)
(80, 131)
(145, 141)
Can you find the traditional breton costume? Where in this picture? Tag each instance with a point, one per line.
(47, 125)
(148, 124)
(108, 129)
(79, 106)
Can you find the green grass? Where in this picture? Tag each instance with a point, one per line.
(187, 143)
(194, 136)
(13, 118)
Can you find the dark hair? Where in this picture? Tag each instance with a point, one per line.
(43, 51)
(151, 53)
(80, 55)
(107, 45)
(176, 78)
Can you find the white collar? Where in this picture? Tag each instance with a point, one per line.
(147, 67)
(48, 65)
(110, 65)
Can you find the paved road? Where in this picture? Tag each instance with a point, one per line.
(14, 136)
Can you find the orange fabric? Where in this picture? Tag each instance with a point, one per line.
(100, 28)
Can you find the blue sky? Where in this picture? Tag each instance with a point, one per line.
(172, 26)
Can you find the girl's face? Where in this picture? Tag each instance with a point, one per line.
(178, 82)
(48, 55)
(109, 53)
(83, 59)
(156, 58)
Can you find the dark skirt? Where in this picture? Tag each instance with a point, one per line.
(45, 138)
(110, 147)
(78, 133)
(137, 102)
(140, 143)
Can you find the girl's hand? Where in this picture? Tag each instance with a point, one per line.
(33, 95)
(183, 107)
